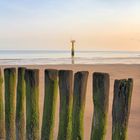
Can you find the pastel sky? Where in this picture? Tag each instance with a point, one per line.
(51, 24)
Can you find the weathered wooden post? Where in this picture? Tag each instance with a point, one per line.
(72, 48)
(72, 51)
(101, 103)
(32, 104)
(20, 105)
(10, 76)
(66, 99)
(2, 112)
(121, 108)
(51, 89)
(79, 97)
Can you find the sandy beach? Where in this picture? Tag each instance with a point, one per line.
(116, 71)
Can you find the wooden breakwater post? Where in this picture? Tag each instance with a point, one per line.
(32, 104)
(20, 105)
(79, 97)
(101, 102)
(66, 99)
(10, 76)
(51, 90)
(2, 112)
(121, 108)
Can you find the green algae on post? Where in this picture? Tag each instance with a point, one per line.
(101, 103)
(51, 90)
(66, 99)
(32, 104)
(121, 108)
(79, 97)
(2, 112)
(20, 105)
(10, 76)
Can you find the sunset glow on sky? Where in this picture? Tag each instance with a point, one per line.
(51, 24)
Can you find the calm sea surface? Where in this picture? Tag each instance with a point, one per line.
(42, 57)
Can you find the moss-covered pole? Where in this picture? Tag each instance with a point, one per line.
(101, 103)
(32, 104)
(51, 89)
(79, 96)
(121, 108)
(20, 105)
(10, 76)
(66, 97)
(2, 112)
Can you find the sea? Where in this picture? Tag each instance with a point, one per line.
(43, 57)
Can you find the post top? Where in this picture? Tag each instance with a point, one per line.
(73, 41)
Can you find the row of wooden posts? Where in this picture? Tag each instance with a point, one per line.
(19, 105)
